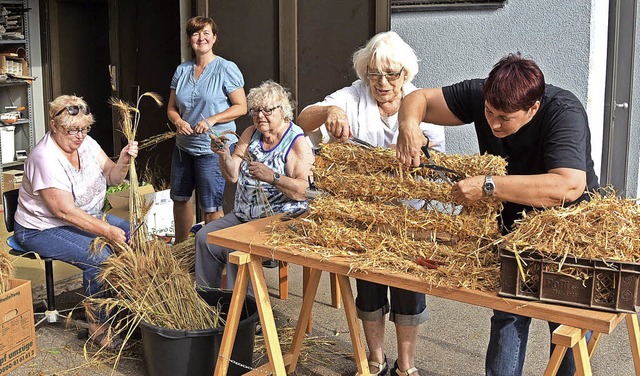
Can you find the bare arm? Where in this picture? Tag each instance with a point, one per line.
(116, 172)
(237, 109)
(61, 204)
(182, 126)
(424, 105)
(333, 117)
(298, 170)
(554, 188)
(230, 163)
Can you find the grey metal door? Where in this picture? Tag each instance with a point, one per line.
(618, 157)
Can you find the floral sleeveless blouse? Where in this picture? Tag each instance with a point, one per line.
(257, 199)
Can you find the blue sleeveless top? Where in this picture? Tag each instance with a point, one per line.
(257, 199)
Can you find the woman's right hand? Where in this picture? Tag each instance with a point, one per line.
(219, 145)
(183, 128)
(337, 123)
(116, 234)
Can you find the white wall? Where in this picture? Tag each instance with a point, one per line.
(565, 38)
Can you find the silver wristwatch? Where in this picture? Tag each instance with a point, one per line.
(276, 178)
(489, 186)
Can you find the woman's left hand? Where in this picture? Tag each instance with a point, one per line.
(260, 171)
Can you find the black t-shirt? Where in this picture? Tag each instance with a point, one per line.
(556, 137)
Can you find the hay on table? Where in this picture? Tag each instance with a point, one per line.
(362, 221)
(605, 228)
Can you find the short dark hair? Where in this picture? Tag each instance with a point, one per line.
(198, 23)
(514, 84)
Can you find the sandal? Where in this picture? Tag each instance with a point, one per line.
(104, 341)
(383, 368)
(396, 371)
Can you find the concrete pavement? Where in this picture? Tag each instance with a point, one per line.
(452, 342)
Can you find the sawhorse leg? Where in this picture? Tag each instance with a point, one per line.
(313, 279)
(565, 338)
(634, 338)
(335, 292)
(250, 267)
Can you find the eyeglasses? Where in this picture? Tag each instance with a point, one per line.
(265, 111)
(75, 132)
(390, 76)
(73, 110)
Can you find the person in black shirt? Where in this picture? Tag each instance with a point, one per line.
(543, 133)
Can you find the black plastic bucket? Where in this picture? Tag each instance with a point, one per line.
(195, 352)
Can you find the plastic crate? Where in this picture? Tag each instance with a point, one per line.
(610, 286)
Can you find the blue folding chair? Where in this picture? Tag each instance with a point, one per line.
(51, 314)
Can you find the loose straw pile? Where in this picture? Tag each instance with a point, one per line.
(6, 271)
(605, 228)
(362, 220)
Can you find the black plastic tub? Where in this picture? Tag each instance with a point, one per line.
(194, 352)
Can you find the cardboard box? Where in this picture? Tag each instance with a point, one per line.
(17, 329)
(120, 200)
(159, 219)
(12, 179)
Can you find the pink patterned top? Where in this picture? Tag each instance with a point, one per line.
(47, 167)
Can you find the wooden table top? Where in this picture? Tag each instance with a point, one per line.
(250, 237)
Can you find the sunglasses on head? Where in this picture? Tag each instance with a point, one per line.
(73, 110)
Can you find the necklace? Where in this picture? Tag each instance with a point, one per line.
(393, 109)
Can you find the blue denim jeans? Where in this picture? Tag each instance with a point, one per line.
(71, 245)
(508, 346)
(203, 172)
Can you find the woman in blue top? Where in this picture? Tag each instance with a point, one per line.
(271, 165)
(207, 95)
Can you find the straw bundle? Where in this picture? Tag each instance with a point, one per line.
(466, 264)
(607, 228)
(345, 158)
(362, 220)
(6, 271)
(401, 220)
(147, 282)
(154, 287)
(130, 118)
(354, 172)
(185, 254)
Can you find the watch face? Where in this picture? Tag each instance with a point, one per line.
(489, 186)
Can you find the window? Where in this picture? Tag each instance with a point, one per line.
(431, 5)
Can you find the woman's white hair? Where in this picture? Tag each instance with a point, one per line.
(384, 49)
(65, 120)
(271, 94)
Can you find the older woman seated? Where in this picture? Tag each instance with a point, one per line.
(60, 201)
(271, 165)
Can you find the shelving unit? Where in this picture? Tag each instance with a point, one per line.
(16, 97)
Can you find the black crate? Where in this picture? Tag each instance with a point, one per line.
(610, 286)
